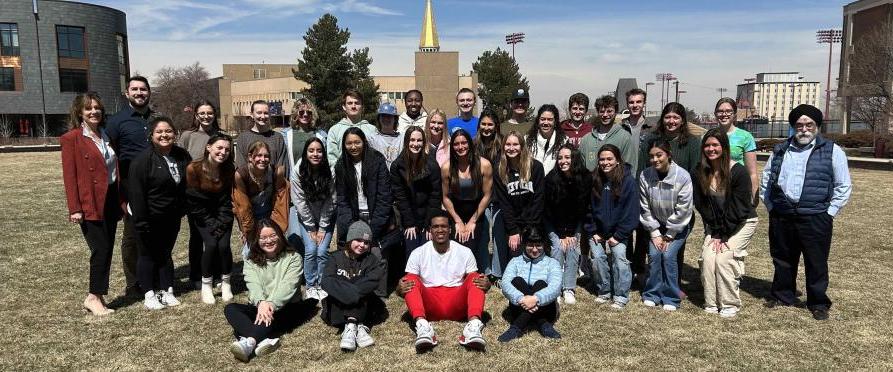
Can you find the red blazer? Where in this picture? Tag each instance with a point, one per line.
(84, 175)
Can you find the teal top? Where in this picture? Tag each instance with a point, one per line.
(741, 142)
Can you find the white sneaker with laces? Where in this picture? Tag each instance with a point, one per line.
(151, 301)
(168, 299)
(618, 305)
(569, 297)
(472, 337)
(711, 310)
(669, 307)
(266, 346)
(363, 337)
(728, 312)
(349, 337)
(602, 299)
(649, 303)
(426, 337)
(321, 294)
(242, 349)
(310, 293)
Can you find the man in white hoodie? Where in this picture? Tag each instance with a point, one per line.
(352, 104)
(415, 112)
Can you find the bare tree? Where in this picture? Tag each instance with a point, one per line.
(6, 127)
(176, 89)
(871, 71)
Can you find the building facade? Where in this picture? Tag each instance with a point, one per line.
(50, 54)
(772, 95)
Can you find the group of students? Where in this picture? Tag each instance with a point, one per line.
(433, 191)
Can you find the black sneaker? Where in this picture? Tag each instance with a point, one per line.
(820, 313)
(548, 331)
(510, 334)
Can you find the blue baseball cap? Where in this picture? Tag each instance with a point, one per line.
(387, 109)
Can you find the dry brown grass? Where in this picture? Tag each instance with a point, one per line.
(43, 274)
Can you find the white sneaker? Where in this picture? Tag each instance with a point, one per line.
(168, 299)
(226, 290)
(151, 301)
(208, 294)
(728, 312)
(363, 337)
(426, 338)
(349, 337)
(266, 346)
(321, 294)
(569, 297)
(618, 305)
(310, 293)
(711, 310)
(242, 349)
(472, 337)
(649, 303)
(602, 299)
(669, 307)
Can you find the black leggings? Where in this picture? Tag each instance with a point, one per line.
(216, 252)
(155, 267)
(195, 250)
(241, 317)
(100, 237)
(521, 318)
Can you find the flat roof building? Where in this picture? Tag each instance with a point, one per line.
(772, 95)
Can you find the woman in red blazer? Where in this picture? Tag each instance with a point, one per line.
(90, 174)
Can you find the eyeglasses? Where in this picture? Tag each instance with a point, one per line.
(810, 125)
(269, 239)
(305, 112)
(725, 112)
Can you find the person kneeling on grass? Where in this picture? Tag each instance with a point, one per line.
(350, 279)
(442, 283)
(273, 275)
(532, 282)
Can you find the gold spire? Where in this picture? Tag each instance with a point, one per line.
(428, 41)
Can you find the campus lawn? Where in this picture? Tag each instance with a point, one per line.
(44, 278)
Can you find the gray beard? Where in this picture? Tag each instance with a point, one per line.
(804, 139)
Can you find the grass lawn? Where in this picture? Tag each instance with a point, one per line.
(43, 280)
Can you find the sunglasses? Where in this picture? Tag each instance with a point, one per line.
(305, 112)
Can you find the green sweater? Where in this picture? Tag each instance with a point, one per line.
(616, 136)
(336, 132)
(686, 156)
(276, 282)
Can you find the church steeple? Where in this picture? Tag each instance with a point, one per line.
(428, 41)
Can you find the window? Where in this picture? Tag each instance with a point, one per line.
(72, 80)
(260, 73)
(7, 79)
(71, 41)
(9, 39)
(123, 72)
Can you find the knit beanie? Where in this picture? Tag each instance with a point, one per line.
(359, 230)
(810, 111)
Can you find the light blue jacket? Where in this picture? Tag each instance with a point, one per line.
(543, 268)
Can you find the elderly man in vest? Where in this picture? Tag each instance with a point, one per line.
(805, 183)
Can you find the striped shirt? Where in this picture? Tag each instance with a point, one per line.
(666, 204)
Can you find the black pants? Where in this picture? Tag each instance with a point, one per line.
(100, 237)
(790, 236)
(241, 317)
(130, 254)
(637, 255)
(521, 318)
(195, 250)
(215, 252)
(155, 267)
(337, 312)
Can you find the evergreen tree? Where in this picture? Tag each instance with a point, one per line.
(327, 67)
(499, 77)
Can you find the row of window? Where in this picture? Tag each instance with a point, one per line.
(70, 43)
(393, 95)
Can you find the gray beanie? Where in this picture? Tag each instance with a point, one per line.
(359, 230)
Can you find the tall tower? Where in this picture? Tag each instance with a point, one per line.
(428, 41)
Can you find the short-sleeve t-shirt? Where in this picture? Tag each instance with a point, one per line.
(741, 142)
(470, 126)
(441, 270)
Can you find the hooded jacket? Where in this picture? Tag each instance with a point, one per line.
(154, 195)
(543, 268)
(616, 218)
(336, 132)
(419, 199)
(348, 280)
(616, 136)
(567, 203)
(521, 204)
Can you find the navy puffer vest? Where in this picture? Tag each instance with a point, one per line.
(818, 183)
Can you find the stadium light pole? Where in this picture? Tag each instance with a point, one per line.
(512, 39)
(830, 37)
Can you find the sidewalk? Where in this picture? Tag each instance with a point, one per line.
(854, 162)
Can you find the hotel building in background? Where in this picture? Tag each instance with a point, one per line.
(772, 95)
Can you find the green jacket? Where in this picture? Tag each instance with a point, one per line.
(686, 156)
(617, 136)
(276, 282)
(333, 141)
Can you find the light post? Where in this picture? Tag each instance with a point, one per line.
(512, 39)
(830, 37)
(644, 110)
(722, 91)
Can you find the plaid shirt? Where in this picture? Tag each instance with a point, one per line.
(666, 204)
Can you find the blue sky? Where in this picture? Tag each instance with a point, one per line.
(571, 45)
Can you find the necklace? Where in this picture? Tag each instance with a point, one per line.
(254, 179)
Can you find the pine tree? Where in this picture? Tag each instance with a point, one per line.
(499, 77)
(327, 67)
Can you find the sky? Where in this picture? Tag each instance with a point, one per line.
(571, 45)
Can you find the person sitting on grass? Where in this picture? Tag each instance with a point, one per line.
(442, 283)
(532, 283)
(273, 275)
(350, 279)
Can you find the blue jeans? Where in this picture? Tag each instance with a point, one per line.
(568, 259)
(619, 270)
(315, 255)
(663, 272)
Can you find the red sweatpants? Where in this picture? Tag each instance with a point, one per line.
(445, 303)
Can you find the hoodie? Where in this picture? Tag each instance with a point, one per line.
(616, 136)
(616, 218)
(404, 121)
(336, 132)
(520, 203)
(348, 280)
(543, 268)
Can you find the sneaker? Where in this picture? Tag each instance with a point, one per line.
(728, 312)
(242, 349)
(426, 338)
(168, 299)
(618, 305)
(548, 331)
(310, 293)
(510, 334)
(649, 303)
(711, 310)
(208, 294)
(151, 301)
(321, 294)
(363, 337)
(603, 299)
(569, 297)
(266, 346)
(669, 307)
(819, 313)
(472, 337)
(349, 337)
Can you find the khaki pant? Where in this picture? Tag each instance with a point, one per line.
(721, 272)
